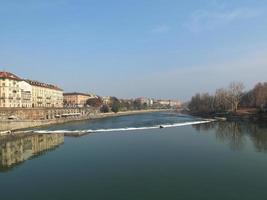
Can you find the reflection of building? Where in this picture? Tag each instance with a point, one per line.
(76, 99)
(20, 93)
(16, 150)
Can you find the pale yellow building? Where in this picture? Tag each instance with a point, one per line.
(10, 95)
(26, 94)
(45, 95)
(20, 93)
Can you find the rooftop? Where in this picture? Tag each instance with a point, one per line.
(76, 93)
(45, 85)
(9, 75)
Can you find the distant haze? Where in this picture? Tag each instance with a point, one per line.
(162, 49)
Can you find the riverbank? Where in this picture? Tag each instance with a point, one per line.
(7, 127)
(252, 115)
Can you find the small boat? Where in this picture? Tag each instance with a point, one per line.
(161, 126)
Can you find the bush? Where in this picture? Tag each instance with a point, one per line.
(104, 109)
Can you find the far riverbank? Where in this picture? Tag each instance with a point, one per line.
(241, 115)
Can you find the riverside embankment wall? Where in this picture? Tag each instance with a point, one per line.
(19, 118)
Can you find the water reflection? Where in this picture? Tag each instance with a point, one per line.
(15, 150)
(258, 135)
(237, 133)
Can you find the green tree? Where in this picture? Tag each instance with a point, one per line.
(115, 106)
(137, 104)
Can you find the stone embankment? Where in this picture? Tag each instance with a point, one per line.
(16, 119)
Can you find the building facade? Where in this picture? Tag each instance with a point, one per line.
(9, 90)
(26, 94)
(46, 95)
(76, 99)
(106, 100)
(16, 92)
(145, 101)
(169, 103)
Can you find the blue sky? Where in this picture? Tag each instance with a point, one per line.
(131, 48)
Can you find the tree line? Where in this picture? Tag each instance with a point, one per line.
(230, 99)
(115, 104)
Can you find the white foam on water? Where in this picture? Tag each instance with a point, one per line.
(124, 129)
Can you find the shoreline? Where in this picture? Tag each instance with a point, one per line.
(26, 124)
(249, 117)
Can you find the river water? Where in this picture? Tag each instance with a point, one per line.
(130, 157)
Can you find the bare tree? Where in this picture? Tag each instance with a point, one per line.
(203, 103)
(235, 93)
(260, 94)
(221, 102)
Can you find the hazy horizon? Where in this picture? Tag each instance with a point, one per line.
(161, 49)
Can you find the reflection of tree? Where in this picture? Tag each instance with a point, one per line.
(258, 135)
(231, 131)
(226, 132)
(205, 127)
(235, 132)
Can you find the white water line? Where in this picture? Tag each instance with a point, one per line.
(123, 129)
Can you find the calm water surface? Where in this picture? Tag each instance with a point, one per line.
(220, 160)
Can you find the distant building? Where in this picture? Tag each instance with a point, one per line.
(145, 101)
(76, 99)
(169, 103)
(150, 102)
(20, 93)
(176, 104)
(106, 100)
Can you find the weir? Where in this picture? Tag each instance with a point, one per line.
(83, 132)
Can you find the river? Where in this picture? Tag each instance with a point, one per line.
(130, 157)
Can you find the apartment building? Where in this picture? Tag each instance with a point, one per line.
(76, 99)
(16, 92)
